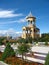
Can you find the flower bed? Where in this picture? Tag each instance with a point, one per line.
(0, 55)
(18, 61)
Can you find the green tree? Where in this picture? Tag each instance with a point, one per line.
(27, 40)
(47, 60)
(20, 40)
(8, 52)
(23, 49)
(46, 43)
(1, 39)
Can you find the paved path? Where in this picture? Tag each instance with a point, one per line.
(2, 63)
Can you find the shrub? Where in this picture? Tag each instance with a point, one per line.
(23, 49)
(8, 52)
(46, 43)
(47, 60)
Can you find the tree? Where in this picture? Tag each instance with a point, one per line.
(46, 43)
(27, 40)
(22, 40)
(8, 52)
(1, 39)
(23, 49)
(47, 60)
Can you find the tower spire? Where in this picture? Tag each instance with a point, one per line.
(30, 14)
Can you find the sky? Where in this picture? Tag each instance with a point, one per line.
(13, 13)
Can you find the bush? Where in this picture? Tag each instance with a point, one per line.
(46, 43)
(47, 60)
(8, 52)
(23, 49)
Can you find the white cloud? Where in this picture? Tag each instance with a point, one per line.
(22, 20)
(10, 22)
(3, 31)
(8, 14)
(19, 32)
(10, 32)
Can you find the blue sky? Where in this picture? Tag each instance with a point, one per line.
(13, 13)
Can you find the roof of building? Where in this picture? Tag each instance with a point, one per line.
(37, 28)
(30, 15)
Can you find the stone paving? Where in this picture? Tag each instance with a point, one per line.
(2, 63)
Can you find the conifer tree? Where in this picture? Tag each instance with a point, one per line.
(8, 52)
(47, 60)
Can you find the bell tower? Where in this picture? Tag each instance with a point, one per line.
(30, 19)
(30, 30)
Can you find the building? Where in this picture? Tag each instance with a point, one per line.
(31, 30)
